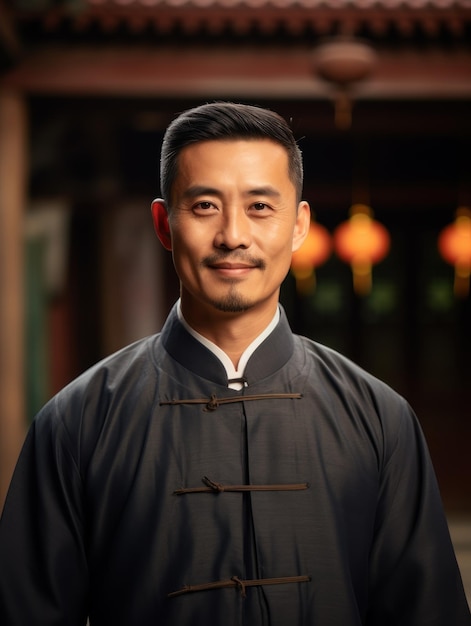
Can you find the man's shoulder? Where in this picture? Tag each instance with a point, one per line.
(126, 371)
(338, 370)
(135, 358)
(321, 353)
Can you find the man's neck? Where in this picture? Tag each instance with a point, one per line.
(231, 332)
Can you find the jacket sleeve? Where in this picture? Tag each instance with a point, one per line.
(43, 566)
(414, 577)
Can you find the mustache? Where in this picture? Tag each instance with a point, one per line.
(233, 256)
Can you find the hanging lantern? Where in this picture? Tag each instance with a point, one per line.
(361, 242)
(315, 251)
(454, 245)
(344, 62)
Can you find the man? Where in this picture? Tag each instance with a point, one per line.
(226, 471)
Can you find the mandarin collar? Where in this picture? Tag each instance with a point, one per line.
(267, 358)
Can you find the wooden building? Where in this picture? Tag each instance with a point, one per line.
(87, 88)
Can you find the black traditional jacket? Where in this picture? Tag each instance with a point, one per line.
(148, 493)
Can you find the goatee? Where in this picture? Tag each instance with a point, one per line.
(233, 302)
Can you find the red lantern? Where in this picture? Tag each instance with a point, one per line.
(314, 251)
(361, 242)
(454, 245)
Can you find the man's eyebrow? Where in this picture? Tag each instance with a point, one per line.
(264, 191)
(201, 190)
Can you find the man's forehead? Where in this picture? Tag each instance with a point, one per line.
(231, 142)
(224, 150)
(201, 164)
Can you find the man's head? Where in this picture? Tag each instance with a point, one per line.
(232, 217)
(226, 121)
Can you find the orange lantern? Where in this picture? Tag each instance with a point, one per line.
(314, 251)
(454, 245)
(361, 242)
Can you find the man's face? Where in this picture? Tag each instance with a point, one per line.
(234, 224)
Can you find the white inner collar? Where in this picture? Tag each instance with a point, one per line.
(231, 371)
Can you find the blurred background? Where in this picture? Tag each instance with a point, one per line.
(379, 97)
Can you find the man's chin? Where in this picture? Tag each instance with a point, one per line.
(232, 305)
(232, 302)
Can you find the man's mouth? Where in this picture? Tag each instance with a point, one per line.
(234, 265)
(232, 270)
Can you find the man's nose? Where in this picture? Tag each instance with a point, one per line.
(234, 231)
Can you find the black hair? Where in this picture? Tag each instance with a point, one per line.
(226, 120)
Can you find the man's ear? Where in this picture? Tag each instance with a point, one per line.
(160, 219)
(303, 221)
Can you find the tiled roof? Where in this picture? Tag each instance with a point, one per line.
(286, 4)
(268, 17)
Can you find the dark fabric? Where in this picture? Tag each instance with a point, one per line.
(92, 524)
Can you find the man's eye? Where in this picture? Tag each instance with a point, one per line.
(259, 206)
(204, 205)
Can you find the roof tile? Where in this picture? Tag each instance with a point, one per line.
(287, 4)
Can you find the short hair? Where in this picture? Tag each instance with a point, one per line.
(225, 121)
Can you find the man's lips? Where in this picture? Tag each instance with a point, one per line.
(232, 269)
(234, 265)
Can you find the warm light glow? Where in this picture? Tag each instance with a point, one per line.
(361, 242)
(315, 251)
(454, 245)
